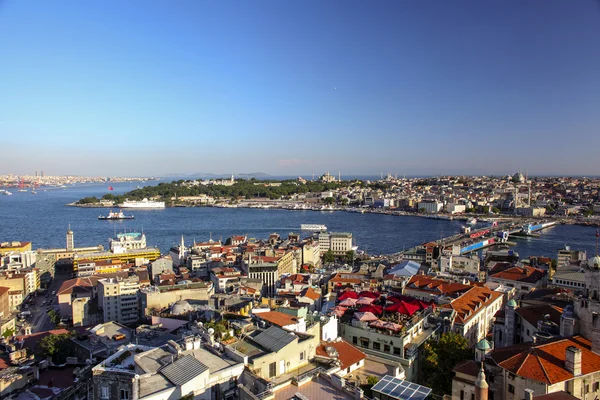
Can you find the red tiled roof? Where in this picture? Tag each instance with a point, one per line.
(521, 274)
(545, 362)
(277, 318)
(471, 302)
(348, 355)
(435, 285)
(311, 294)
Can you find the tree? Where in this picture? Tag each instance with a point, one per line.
(54, 317)
(495, 210)
(372, 380)
(350, 256)
(440, 357)
(58, 347)
(328, 257)
(9, 332)
(329, 200)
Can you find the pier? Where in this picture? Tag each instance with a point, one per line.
(497, 233)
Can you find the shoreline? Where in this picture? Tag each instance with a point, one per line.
(565, 220)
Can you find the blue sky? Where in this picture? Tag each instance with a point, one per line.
(295, 87)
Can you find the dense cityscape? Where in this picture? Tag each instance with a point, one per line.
(261, 318)
(299, 200)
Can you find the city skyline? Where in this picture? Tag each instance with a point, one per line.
(428, 88)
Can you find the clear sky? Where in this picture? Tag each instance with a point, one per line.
(295, 87)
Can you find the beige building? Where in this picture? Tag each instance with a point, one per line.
(274, 351)
(311, 254)
(339, 243)
(160, 297)
(118, 299)
(17, 288)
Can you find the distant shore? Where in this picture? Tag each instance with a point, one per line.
(272, 205)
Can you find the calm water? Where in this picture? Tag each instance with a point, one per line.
(43, 219)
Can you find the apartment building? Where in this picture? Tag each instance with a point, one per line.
(339, 243)
(118, 299)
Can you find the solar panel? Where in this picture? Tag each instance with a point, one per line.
(401, 389)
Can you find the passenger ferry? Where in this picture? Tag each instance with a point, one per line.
(145, 203)
(115, 215)
(313, 227)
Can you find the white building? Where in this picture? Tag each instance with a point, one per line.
(455, 208)
(339, 243)
(127, 241)
(118, 299)
(430, 207)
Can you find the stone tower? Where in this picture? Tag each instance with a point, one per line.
(509, 322)
(70, 240)
(481, 386)
(587, 307)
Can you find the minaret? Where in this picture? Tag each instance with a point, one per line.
(70, 239)
(481, 386)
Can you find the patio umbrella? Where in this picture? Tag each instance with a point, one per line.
(349, 294)
(339, 311)
(392, 326)
(365, 301)
(348, 303)
(377, 310)
(365, 316)
(403, 308)
(366, 293)
(377, 324)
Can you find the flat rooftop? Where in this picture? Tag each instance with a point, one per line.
(318, 388)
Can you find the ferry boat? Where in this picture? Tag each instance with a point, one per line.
(145, 203)
(115, 215)
(313, 227)
(5, 192)
(472, 221)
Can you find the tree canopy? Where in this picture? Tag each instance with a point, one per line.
(441, 357)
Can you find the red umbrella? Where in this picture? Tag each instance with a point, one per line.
(350, 294)
(403, 308)
(392, 326)
(339, 311)
(368, 294)
(348, 303)
(377, 324)
(365, 301)
(377, 310)
(365, 316)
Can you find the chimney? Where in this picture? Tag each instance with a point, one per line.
(528, 394)
(573, 360)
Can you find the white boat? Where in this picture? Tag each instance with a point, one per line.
(472, 221)
(313, 227)
(5, 192)
(145, 203)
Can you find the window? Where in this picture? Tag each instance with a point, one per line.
(386, 348)
(124, 394)
(301, 356)
(511, 388)
(595, 387)
(527, 332)
(587, 389)
(462, 395)
(376, 346)
(105, 394)
(272, 369)
(472, 396)
(397, 351)
(354, 340)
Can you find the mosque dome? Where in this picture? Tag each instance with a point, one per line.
(594, 262)
(512, 303)
(484, 345)
(181, 307)
(518, 177)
